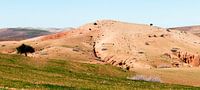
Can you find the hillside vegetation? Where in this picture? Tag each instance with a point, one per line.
(28, 73)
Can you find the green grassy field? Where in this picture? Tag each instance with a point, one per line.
(20, 72)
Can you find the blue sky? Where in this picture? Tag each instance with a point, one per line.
(73, 13)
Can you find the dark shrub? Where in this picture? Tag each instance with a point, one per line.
(120, 63)
(174, 49)
(128, 68)
(168, 30)
(151, 24)
(149, 36)
(3, 45)
(104, 49)
(95, 23)
(141, 52)
(146, 43)
(162, 35)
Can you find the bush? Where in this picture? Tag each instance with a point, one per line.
(168, 30)
(174, 49)
(104, 49)
(162, 35)
(141, 52)
(95, 23)
(145, 78)
(149, 36)
(151, 24)
(3, 45)
(146, 43)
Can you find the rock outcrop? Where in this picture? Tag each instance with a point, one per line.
(192, 59)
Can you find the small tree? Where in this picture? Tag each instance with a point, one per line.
(151, 24)
(95, 23)
(25, 49)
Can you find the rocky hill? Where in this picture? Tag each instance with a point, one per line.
(121, 44)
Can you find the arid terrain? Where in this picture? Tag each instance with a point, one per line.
(171, 54)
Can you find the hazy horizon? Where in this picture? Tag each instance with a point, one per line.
(73, 13)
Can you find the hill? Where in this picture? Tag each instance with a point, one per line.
(16, 34)
(18, 72)
(134, 47)
(121, 44)
(192, 29)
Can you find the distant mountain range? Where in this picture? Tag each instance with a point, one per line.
(192, 29)
(16, 34)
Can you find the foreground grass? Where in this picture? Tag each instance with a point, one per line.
(22, 72)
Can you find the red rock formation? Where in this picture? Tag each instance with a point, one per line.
(186, 57)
